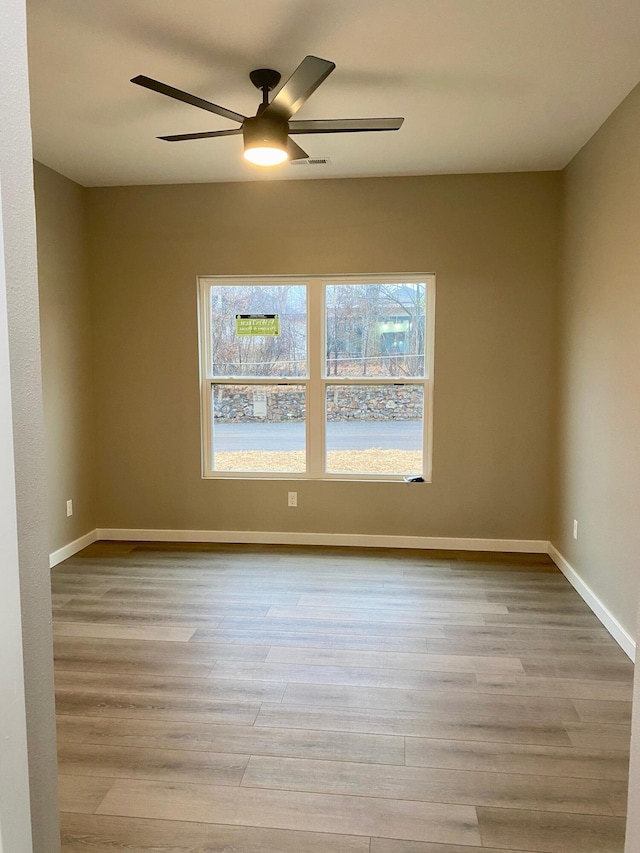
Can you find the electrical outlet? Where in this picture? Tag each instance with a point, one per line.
(575, 528)
(292, 499)
(69, 508)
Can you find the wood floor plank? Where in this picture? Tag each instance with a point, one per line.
(433, 616)
(386, 845)
(597, 711)
(604, 735)
(187, 597)
(293, 810)
(518, 758)
(479, 577)
(80, 587)
(549, 619)
(393, 595)
(103, 548)
(433, 785)
(343, 675)
(365, 719)
(570, 688)
(141, 706)
(227, 689)
(143, 569)
(138, 656)
(129, 762)
(525, 647)
(135, 619)
(274, 585)
(105, 834)
(542, 832)
(618, 801)
(246, 740)
(552, 634)
(402, 606)
(77, 794)
(517, 597)
(395, 660)
(443, 703)
(199, 608)
(341, 627)
(122, 632)
(567, 666)
(304, 639)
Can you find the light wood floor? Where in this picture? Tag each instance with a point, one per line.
(230, 699)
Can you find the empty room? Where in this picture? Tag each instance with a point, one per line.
(319, 364)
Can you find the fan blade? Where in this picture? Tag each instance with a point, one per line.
(294, 151)
(344, 125)
(303, 82)
(210, 134)
(179, 95)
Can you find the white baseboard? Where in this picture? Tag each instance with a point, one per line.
(619, 634)
(72, 548)
(263, 537)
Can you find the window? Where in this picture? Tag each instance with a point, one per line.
(317, 377)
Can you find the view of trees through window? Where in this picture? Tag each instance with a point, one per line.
(375, 329)
(284, 354)
(369, 394)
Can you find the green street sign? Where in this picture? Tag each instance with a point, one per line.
(257, 325)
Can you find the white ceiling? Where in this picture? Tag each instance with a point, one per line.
(484, 85)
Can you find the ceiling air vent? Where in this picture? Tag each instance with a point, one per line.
(312, 161)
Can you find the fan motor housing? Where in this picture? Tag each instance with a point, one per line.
(265, 131)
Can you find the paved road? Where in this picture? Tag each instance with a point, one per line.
(352, 435)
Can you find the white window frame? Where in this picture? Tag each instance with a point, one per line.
(316, 381)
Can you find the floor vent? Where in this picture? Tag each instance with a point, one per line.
(312, 161)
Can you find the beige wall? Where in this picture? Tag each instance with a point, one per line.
(597, 477)
(66, 356)
(597, 472)
(492, 241)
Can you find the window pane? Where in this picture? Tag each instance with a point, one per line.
(259, 428)
(375, 329)
(374, 429)
(251, 353)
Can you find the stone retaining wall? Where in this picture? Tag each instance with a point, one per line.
(277, 404)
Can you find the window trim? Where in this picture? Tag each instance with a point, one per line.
(316, 380)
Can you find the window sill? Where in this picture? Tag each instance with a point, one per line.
(297, 478)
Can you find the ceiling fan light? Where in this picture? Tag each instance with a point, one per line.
(265, 156)
(265, 140)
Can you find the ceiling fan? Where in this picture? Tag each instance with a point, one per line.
(266, 135)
